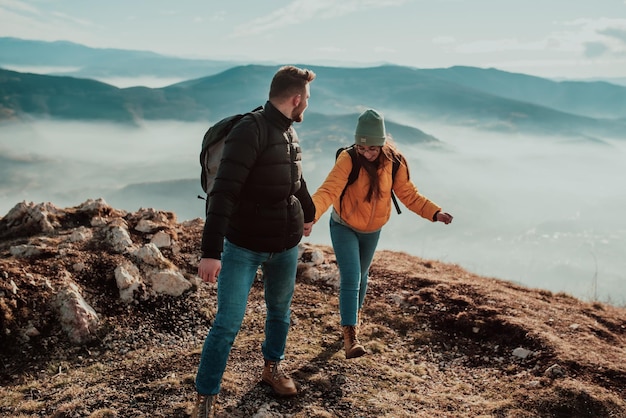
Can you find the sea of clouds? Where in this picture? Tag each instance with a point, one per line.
(546, 212)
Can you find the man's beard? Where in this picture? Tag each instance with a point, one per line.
(298, 114)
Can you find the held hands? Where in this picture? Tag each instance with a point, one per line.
(308, 227)
(444, 217)
(209, 269)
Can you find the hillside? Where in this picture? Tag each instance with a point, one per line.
(591, 98)
(597, 99)
(77, 60)
(442, 342)
(407, 93)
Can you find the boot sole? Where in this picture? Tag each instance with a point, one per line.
(283, 395)
(357, 352)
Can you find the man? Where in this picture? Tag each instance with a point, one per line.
(258, 210)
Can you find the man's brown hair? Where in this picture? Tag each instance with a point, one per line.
(289, 81)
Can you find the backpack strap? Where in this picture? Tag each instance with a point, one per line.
(354, 173)
(258, 116)
(394, 169)
(356, 167)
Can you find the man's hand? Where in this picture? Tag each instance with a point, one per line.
(209, 269)
(308, 226)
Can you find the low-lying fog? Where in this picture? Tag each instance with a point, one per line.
(544, 212)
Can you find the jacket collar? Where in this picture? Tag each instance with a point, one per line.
(276, 117)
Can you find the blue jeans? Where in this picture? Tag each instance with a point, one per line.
(354, 252)
(239, 268)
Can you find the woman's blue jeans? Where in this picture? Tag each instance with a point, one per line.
(354, 252)
(239, 268)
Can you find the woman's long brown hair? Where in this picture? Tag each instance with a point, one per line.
(389, 151)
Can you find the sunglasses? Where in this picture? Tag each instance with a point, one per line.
(364, 150)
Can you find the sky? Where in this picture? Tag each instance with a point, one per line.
(573, 39)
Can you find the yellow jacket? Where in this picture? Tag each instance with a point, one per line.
(369, 216)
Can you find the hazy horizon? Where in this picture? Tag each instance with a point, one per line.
(548, 39)
(541, 211)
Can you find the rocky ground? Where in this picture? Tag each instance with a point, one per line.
(441, 342)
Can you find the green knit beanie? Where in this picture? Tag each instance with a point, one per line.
(370, 130)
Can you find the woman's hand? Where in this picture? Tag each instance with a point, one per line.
(444, 217)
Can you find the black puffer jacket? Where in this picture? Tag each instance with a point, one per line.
(259, 200)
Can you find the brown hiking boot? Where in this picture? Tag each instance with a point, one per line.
(204, 407)
(274, 376)
(351, 343)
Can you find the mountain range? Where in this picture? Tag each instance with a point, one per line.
(465, 96)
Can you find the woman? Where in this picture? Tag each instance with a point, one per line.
(362, 210)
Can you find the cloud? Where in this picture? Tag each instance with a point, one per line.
(331, 49)
(385, 50)
(24, 20)
(300, 11)
(587, 37)
(18, 6)
(585, 46)
(616, 33)
(68, 18)
(168, 12)
(595, 49)
(442, 40)
(17, 15)
(611, 33)
(499, 45)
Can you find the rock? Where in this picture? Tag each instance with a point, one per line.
(31, 332)
(26, 219)
(169, 282)
(149, 254)
(162, 240)
(330, 275)
(98, 221)
(308, 273)
(129, 282)
(555, 371)
(94, 206)
(522, 353)
(79, 320)
(309, 255)
(25, 250)
(14, 288)
(81, 234)
(78, 267)
(118, 238)
(147, 226)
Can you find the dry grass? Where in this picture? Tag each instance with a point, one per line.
(439, 341)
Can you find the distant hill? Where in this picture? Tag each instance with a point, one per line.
(592, 98)
(82, 61)
(60, 97)
(400, 92)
